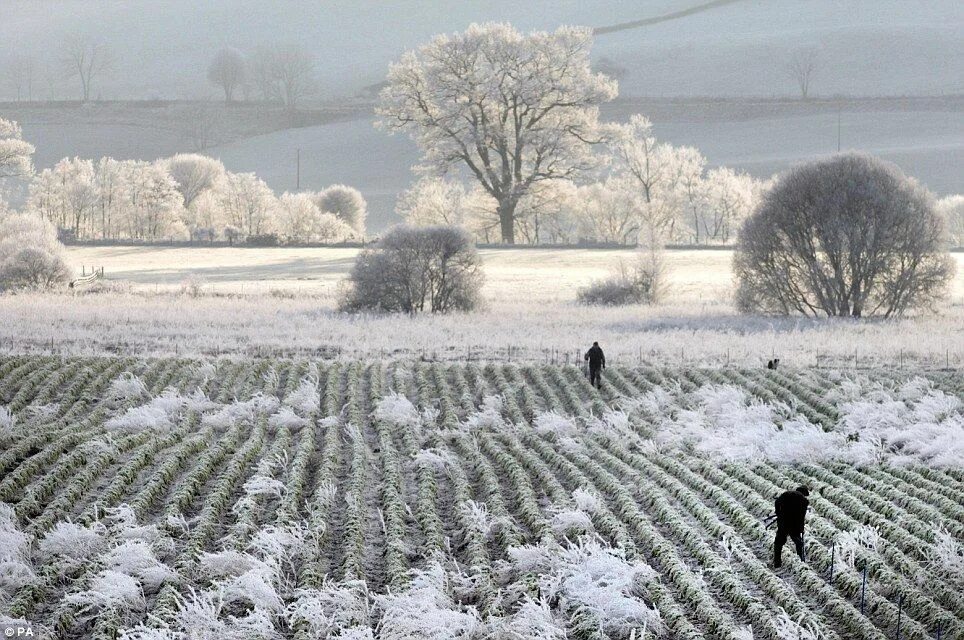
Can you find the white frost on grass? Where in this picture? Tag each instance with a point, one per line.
(240, 411)
(125, 387)
(160, 412)
(426, 609)
(73, 541)
(7, 420)
(306, 398)
(286, 417)
(945, 556)
(555, 423)
(397, 410)
(589, 578)
(15, 568)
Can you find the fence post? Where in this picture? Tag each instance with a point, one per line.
(863, 590)
(940, 628)
(900, 611)
(833, 551)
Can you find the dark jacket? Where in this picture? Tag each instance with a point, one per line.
(595, 357)
(791, 509)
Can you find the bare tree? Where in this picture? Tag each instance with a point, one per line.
(416, 269)
(21, 74)
(202, 127)
(512, 109)
(227, 71)
(86, 59)
(846, 236)
(285, 74)
(293, 70)
(802, 66)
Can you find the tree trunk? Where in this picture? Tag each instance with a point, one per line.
(507, 220)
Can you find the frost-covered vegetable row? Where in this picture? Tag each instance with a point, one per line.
(293, 499)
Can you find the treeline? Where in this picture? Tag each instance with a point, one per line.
(649, 191)
(187, 197)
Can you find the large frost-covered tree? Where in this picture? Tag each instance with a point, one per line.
(846, 236)
(15, 152)
(511, 109)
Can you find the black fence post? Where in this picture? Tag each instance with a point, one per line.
(900, 611)
(863, 590)
(833, 551)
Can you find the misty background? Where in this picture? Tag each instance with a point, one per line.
(888, 78)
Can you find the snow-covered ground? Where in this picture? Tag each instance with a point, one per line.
(279, 499)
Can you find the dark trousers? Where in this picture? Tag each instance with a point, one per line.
(781, 539)
(595, 376)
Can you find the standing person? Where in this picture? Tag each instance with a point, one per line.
(791, 510)
(597, 362)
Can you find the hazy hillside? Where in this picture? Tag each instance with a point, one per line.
(868, 47)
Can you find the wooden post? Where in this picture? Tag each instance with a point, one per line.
(863, 590)
(833, 551)
(900, 611)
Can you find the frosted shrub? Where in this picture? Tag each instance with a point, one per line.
(945, 556)
(15, 570)
(552, 422)
(306, 398)
(125, 387)
(489, 415)
(396, 409)
(594, 585)
(140, 419)
(241, 410)
(73, 541)
(425, 610)
(796, 629)
(849, 543)
(533, 620)
(227, 564)
(110, 592)
(253, 587)
(286, 417)
(435, 458)
(727, 424)
(568, 523)
(335, 608)
(135, 558)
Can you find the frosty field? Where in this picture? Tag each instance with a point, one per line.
(281, 301)
(273, 498)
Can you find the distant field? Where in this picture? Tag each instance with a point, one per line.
(282, 301)
(512, 275)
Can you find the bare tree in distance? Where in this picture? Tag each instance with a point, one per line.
(293, 71)
(512, 109)
(802, 66)
(845, 236)
(21, 74)
(227, 71)
(202, 127)
(86, 59)
(284, 73)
